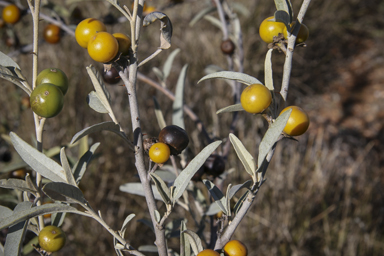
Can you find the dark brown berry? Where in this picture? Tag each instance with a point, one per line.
(176, 138)
(214, 165)
(227, 47)
(111, 76)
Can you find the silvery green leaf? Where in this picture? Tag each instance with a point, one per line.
(268, 75)
(236, 188)
(35, 211)
(286, 6)
(165, 27)
(64, 192)
(271, 136)
(158, 73)
(6, 61)
(194, 241)
(5, 212)
(105, 126)
(168, 63)
(214, 21)
(7, 74)
(217, 195)
(228, 201)
(185, 246)
(240, 202)
(283, 16)
(81, 166)
(231, 75)
(245, 157)
(101, 90)
(166, 175)
(201, 14)
(148, 248)
(178, 103)
(159, 114)
(28, 248)
(14, 241)
(162, 188)
(186, 175)
(57, 219)
(67, 168)
(213, 209)
(95, 103)
(18, 184)
(157, 216)
(136, 188)
(37, 160)
(212, 69)
(125, 224)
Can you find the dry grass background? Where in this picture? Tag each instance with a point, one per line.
(324, 194)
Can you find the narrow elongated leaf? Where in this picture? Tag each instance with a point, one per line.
(162, 188)
(214, 21)
(194, 241)
(101, 90)
(245, 157)
(137, 189)
(37, 160)
(18, 184)
(35, 211)
(217, 195)
(5, 212)
(67, 168)
(213, 209)
(165, 27)
(232, 108)
(286, 6)
(177, 115)
(64, 192)
(185, 246)
(268, 74)
(201, 14)
(148, 248)
(168, 63)
(95, 103)
(105, 126)
(81, 166)
(186, 175)
(240, 202)
(7, 61)
(7, 74)
(14, 241)
(271, 136)
(158, 73)
(166, 175)
(283, 16)
(236, 188)
(125, 223)
(231, 75)
(159, 114)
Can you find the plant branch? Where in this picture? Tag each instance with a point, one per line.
(290, 49)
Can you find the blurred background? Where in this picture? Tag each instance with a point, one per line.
(324, 193)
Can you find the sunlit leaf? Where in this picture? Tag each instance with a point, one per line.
(162, 188)
(168, 63)
(268, 74)
(194, 241)
(213, 209)
(35, 211)
(137, 189)
(18, 184)
(37, 160)
(186, 175)
(105, 126)
(231, 75)
(178, 103)
(185, 246)
(126, 221)
(95, 103)
(148, 248)
(9, 74)
(272, 135)
(15, 236)
(165, 27)
(81, 166)
(159, 114)
(7, 61)
(217, 195)
(101, 90)
(245, 157)
(232, 108)
(67, 168)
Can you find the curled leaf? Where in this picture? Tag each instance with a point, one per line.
(165, 27)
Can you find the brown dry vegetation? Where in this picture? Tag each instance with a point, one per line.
(324, 194)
